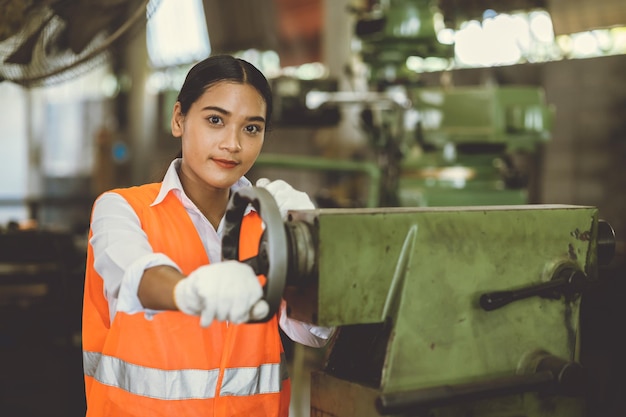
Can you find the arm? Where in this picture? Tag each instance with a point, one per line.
(156, 288)
(223, 291)
(122, 253)
(138, 279)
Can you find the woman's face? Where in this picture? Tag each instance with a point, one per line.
(222, 134)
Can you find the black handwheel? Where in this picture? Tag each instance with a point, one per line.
(272, 257)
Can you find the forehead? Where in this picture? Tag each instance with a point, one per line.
(233, 94)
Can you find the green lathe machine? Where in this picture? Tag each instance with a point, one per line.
(465, 311)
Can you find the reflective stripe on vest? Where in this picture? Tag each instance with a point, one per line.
(186, 383)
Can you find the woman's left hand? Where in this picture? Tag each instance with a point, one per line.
(287, 197)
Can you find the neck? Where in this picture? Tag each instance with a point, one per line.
(213, 206)
(210, 201)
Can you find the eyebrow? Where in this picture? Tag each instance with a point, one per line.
(227, 113)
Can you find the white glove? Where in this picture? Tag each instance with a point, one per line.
(228, 290)
(287, 198)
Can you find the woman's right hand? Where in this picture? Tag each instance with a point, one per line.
(228, 290)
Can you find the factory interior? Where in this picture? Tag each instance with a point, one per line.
(467, 161)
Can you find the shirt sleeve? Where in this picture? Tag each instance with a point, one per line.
(301, 332)
(121, 253)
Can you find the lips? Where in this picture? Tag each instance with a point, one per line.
(225, 163)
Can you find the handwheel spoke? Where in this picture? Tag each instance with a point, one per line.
(258, 263)
(271, 260)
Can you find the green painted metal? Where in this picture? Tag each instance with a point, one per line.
(480, 194)
(514, 116)
(398, 30)
(479, 127)
(424, 269)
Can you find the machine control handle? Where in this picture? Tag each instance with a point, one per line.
(568, 282)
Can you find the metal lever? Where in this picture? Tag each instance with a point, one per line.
(568, 282)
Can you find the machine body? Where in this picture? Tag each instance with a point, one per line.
(420, 274)
(446, 311)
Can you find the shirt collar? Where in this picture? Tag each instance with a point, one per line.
(171, 182)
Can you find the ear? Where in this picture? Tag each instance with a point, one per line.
(177, 121)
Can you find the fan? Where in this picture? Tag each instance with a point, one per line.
(43, 42)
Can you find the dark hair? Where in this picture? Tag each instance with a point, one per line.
(223, 68)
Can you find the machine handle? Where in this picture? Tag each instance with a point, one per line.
(569, 281)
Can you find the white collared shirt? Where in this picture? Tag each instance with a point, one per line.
(122, 253)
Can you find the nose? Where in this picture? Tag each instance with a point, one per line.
(230, 141)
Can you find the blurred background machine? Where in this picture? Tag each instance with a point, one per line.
(439, 311)
(445, 146)
(477, 143)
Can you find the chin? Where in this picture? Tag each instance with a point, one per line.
(223, 183)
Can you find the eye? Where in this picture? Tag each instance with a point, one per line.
(253, 129)
(215, 120)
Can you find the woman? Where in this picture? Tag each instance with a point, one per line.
(164, 321)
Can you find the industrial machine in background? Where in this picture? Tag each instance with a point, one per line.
(439, 312)
(455, 146)
(431, 145)
(449, 146)
(477, 146)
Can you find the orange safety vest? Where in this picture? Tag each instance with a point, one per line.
(168, 365)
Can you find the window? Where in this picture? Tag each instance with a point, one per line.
(177, 33)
